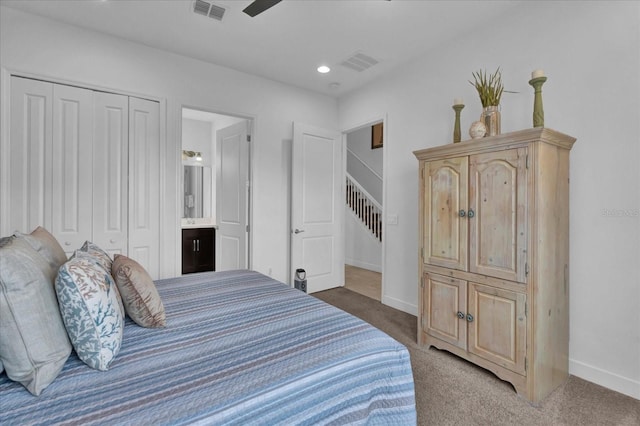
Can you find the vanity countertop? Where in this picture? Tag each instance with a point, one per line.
(201, 222)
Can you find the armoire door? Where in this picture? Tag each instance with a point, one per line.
(498, 229)
(444, 308)
(445, 213)
(497, 328)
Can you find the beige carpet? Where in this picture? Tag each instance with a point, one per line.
(451, 391)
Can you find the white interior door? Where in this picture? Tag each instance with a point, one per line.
(316, 207)
(72, 180)
(144, 184)
(110, 172)
(232, 180)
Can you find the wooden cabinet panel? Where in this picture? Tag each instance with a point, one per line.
(497, 230)
(443, 299)
(497, 329)
(445, 230)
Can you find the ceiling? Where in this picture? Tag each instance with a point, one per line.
(287, 42)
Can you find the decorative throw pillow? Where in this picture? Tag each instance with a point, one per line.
(141, 299)
(33, 341)
(101, 256)
(95, 253)
(90, 311)
(47, 246)
(54, 251)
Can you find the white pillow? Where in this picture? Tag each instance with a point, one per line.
(33, 342)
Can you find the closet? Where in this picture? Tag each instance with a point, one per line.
(85, 165)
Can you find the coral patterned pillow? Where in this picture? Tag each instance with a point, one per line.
(90, 311)
(139, 294)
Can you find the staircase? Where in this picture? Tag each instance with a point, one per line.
(364, 207)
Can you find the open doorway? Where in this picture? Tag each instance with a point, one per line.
(364, 177)
(216, 183)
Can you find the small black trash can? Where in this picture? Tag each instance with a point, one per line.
(300, 281)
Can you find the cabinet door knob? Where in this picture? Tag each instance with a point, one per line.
(462, 213)
(471, 213)
(460, 315)
(469, 317)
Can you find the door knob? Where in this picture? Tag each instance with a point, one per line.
(462, 213)
(469, 317)
(460, 315)
(297, 231)
(471, 213)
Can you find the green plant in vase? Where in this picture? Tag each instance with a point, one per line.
(490, 89)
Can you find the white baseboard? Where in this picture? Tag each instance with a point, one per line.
(364, 265)
(605, 378)
(400, 305)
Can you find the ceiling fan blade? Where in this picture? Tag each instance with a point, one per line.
(259, 6)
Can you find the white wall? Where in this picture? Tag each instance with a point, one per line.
(362, 248)
(590, 52)
(198, 136)
(40, 46)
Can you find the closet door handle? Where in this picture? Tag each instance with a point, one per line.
(194, 245)
(198, 245)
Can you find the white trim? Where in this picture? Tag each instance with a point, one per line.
(251, 126)
(5, 107)
(605, 378)
(364, 265)
(400, 305)
(382, 117)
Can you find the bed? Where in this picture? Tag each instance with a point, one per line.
(238, 348)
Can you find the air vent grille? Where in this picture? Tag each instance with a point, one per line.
(211, 10)
(359, 62)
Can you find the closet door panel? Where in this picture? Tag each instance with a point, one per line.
(110, 156)
(144, 184)
(29, 194)
(72, 166)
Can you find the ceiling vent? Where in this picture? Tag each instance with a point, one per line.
(205, 8)
(359, 62)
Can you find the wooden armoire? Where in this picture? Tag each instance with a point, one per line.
(494, 255)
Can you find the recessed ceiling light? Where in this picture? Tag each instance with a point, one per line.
(323, 69)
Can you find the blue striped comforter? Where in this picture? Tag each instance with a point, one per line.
(239, 348)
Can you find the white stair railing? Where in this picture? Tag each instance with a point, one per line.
(368, 210)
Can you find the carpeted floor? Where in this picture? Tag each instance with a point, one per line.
(451, 391)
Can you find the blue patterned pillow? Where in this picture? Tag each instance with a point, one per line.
(90, 311)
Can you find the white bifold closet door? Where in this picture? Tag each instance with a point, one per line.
(85, 165)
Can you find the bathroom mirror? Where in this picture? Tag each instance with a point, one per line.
(197, 192)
